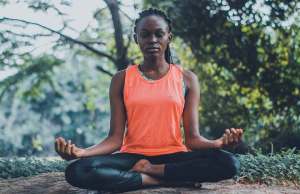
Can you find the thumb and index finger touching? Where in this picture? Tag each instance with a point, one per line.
(232, 135)
(63, 147)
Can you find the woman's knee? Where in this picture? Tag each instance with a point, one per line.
(234, 167)
(78, 171)
(84, 172)
(74, 173)
(232, 164)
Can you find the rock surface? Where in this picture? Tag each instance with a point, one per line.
(54, 183)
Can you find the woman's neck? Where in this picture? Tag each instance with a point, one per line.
(158, 65)
(154, 68)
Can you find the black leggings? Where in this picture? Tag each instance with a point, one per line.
(111, 172)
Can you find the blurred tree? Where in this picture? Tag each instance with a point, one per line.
(249, 69)
(92, 39)
(72, 102)
(61, 92)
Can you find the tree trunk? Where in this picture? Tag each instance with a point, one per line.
(122, 60)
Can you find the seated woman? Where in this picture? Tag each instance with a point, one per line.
(148, 102)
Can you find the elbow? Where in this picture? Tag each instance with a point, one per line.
(116, 146)
(119, 145)
(117, 142)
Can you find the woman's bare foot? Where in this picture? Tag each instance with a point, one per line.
(141, 166)
(150, 172)
(144, 166)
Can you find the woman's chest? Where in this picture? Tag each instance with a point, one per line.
(154, 95)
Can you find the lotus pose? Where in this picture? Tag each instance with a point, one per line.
(145, 145)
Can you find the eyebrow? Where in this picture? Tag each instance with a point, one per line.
(145, 29)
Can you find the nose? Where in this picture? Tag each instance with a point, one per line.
(152, 38)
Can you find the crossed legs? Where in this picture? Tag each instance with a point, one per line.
(124, 171)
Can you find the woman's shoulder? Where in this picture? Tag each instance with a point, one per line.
(120, 75)
(188, 75)
(118, 80)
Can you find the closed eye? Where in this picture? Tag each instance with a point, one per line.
(159, 33)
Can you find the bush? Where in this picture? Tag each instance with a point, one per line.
(268, 169)
(29, 166)
(280, 168)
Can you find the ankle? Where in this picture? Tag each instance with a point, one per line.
(156, 170)
(149, 180)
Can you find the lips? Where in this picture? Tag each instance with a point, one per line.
(152, 49)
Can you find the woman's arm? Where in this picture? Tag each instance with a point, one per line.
(114, 140)
(193, 138)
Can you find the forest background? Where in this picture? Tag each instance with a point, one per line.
(57, 59)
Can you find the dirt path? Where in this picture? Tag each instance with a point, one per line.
(54, 183)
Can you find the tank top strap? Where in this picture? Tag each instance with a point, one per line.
(130, 74)
(180, 72)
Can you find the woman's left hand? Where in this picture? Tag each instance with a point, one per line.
(230, 137)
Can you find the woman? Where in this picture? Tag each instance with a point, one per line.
(151, 99)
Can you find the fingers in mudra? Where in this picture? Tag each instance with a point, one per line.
(63, 148)
(235, 135)
(61, 144)
(68, 147)
(227, 137)
(232, 135)
(240, 133)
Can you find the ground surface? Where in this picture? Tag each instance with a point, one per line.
(54, 183)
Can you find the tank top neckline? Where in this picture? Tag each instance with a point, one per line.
(147, 80)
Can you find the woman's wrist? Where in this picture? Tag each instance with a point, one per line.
(218, 143)
(84, 153)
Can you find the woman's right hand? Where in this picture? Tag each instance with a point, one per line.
(66, 150)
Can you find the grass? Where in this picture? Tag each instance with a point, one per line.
(280, 168)
(28, 166)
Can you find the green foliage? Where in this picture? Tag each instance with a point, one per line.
(55, 91)
(29, 166)
(67, 99)
(3, 2)
(247, 62)
(269, 169)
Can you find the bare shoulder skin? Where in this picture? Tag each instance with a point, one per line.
(190, 113)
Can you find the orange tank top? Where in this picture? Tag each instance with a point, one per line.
(154, 110)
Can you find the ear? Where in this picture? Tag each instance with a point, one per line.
(135, 38)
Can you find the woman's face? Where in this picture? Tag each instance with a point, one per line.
(153, 36)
